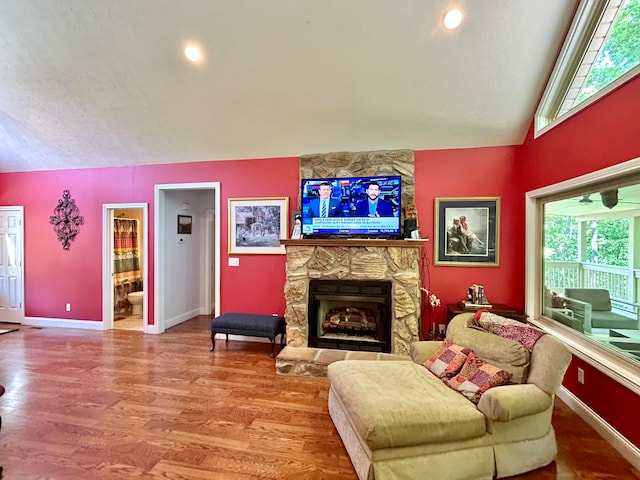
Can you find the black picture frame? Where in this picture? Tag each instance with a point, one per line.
(479, 244)
(184, 224)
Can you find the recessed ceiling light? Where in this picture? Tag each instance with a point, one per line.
(452, 19)
(193, 53)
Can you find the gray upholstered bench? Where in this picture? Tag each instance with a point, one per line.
(248, 324)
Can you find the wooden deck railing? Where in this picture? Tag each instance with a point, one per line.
(622, 283)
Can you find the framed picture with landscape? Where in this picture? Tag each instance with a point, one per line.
(467, 231)
(256, 225)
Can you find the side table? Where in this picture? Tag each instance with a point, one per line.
(501, 309)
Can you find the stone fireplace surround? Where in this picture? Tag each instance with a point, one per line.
(396, 261)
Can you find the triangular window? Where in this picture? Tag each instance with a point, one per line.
(601, 51)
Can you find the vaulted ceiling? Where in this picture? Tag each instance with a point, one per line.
(88, 83)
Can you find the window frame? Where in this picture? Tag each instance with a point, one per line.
(587, 19)
(622, 370)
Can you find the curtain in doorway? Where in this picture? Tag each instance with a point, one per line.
(126, 260)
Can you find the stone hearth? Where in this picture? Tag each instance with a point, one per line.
(396, 261)
(313, 362)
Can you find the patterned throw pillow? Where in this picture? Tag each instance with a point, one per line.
(448, 360)
(476, 377)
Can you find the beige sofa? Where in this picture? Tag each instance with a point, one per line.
(399, 421)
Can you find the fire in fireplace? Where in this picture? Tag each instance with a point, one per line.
(350, 315)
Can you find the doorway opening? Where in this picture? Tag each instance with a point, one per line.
(186, 279)
(125, 266)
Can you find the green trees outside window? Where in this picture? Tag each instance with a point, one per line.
(606, 241)
(619, 54)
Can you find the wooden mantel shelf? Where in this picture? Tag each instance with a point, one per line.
(353, 242)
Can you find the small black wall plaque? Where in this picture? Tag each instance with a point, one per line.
(184, 224)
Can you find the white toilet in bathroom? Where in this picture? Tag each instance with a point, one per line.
(135, 299)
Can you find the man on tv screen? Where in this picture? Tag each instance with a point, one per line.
(373, 206)
(325, 205)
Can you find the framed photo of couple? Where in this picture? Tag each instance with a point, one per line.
(467, 231)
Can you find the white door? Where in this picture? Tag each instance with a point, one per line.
(11, 274)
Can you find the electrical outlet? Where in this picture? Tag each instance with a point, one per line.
(442, 328)
(581, 376)
(68, 307)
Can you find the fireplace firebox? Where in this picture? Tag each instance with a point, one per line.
(350, 315)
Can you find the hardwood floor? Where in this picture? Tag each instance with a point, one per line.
(119, 404)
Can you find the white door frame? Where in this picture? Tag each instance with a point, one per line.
(19, 256)
(159, 260)
(107, 261)
(209, 260)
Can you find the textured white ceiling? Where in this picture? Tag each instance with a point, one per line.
(86, 83)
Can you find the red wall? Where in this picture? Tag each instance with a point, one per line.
(612, 401)
(54, 277)
(476, 172)
(604, 134)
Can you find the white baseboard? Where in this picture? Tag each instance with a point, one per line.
(153, 329)
(183, 317)
(63, 323)
(611, 435)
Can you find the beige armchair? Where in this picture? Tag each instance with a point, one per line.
(593, 307)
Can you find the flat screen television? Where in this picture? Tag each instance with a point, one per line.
(358, 207)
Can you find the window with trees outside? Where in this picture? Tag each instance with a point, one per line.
(590, 266)
(601, 52)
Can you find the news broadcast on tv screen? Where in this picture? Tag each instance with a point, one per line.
(358, 206)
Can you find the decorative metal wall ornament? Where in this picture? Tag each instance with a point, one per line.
(66, 219)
